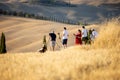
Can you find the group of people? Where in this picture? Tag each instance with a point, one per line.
(81, 37)
(84, 36)
(64, 38)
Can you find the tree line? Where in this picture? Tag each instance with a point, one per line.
(34, 16)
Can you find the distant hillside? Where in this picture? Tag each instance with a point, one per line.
(92, 2)
(81, 12)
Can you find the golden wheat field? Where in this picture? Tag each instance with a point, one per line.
(98, 61)
(26, 35)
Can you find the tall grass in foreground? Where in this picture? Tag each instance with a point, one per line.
(109, 35)
(100, 61)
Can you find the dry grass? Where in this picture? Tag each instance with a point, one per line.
(99, 61)
(109, 35)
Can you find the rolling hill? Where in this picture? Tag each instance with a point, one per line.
(93, 2)
(26, 35)
(82, 12)
(98, 61)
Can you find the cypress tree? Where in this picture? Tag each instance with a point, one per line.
(1, 11)
(2, 44)
(45, 42)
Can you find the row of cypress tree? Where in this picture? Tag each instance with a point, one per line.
(3, 44)
(29, 15)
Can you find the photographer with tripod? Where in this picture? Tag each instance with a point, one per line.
(52, 40)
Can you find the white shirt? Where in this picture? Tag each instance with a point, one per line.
(84, 33)
(65, 34)
(94, 33)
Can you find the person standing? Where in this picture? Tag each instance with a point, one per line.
(78, 36)
(84, 35)
(65, 38)
(94, 33)
(90, 36)
(52, 40)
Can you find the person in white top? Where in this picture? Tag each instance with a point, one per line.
(94, 34)
(65, 37)
(84, 35)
